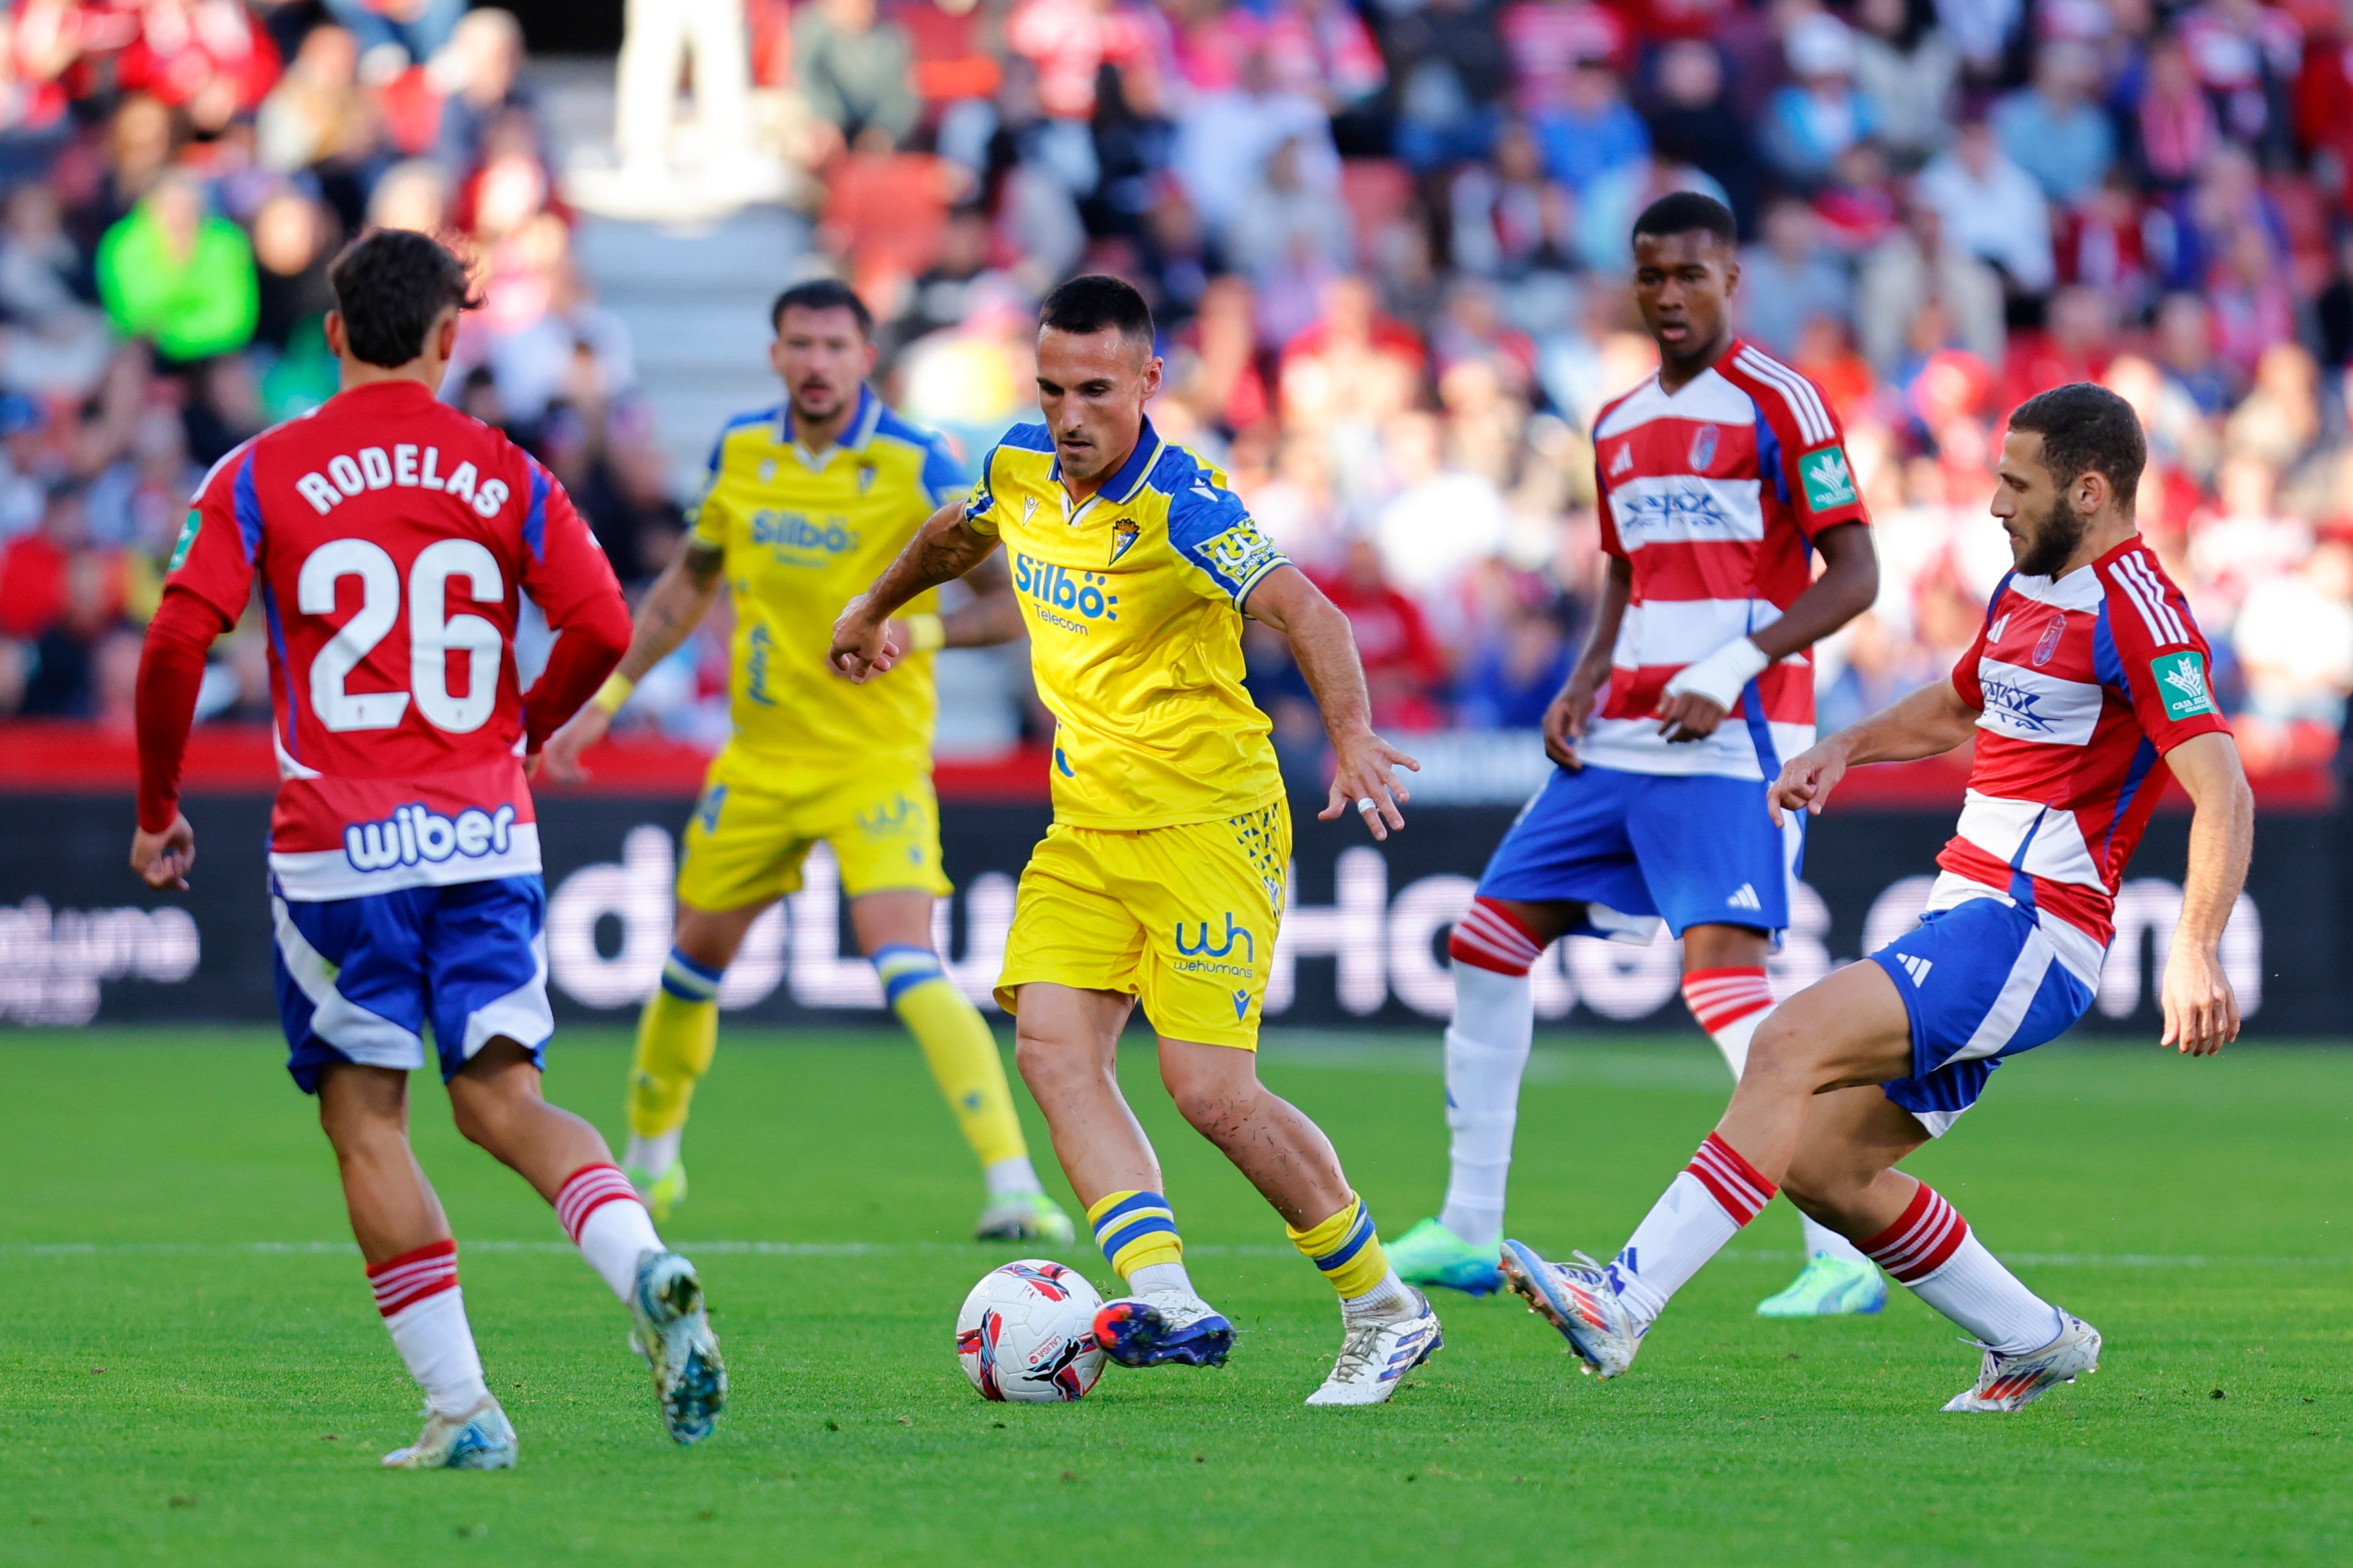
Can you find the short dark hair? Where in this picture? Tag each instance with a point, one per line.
(391, 285)
(822, 294)
(1683, 212)
(1096, 300)
(2084, 428)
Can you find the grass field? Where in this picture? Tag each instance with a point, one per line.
(191, 1371)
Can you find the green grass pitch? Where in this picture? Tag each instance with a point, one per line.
(176, 1391)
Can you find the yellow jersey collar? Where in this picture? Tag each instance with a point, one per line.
(1121, 488)
(854, 438)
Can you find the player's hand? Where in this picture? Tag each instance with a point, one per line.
(1565, 720)
(163, 859)
(1689, 717)
(2201, 1013)
(862, 646)
(1362, 783)
(1806, 782)
(560, 758)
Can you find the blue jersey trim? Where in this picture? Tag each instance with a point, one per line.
(1769, 455)
(278, 642)
(771, 414)
(534, 520)
(248, 511)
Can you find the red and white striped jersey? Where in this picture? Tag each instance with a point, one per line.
(1714, 494)
(391, 538)
(2081, 685)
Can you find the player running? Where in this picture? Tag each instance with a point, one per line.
(390, 537)
(1720, 478)
(1162, 876)
(805, 503)
(2087, 671)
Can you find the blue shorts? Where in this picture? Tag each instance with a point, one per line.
(1980, 982)
(357, 978)
(1636, 848)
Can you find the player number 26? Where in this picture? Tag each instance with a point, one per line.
(432, 634)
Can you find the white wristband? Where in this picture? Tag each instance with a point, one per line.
(1720, 675)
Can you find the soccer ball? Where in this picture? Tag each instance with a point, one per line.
(1026, 1333)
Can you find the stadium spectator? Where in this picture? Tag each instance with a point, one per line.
(1788, 280)
(855, 71)
(1906, 67)
(178, 275)
(1404, 668)
(2053, 129)
(1819, 115)
(1693, 122)
(1592, 130)
(1992, 208)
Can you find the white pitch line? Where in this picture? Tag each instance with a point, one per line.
(61, 1249)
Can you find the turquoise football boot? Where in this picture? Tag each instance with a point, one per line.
(1430, 1253)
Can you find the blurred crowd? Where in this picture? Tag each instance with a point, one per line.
(178, 174)
(1386, 241)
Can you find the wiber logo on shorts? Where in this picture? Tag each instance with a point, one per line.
(414, 834)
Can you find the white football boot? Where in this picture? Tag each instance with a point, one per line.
(2013, 1382)
(1578, 1300)
(480, 1439)
(673, 1333)
(1376, 1354)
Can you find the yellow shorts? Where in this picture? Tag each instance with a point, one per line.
(1182, 916)
(745, 845)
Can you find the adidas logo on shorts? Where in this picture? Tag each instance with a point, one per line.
(1746, 899)
(1916, 967)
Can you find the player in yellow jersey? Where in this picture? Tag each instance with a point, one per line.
(1162, 878)
(805, 503)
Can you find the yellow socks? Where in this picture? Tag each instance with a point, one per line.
(1346, 1249)
(678, 1034)
(1135, 1230)
(962, 1053)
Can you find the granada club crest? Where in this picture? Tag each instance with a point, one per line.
(1702, 448)
(2048, 644)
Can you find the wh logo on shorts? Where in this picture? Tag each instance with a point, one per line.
(1200, 947)
(1916, 967)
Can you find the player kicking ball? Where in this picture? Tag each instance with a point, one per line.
(1162, 876)
(390, 538)
(1720, 478)
(805, 503)
(2088, 671)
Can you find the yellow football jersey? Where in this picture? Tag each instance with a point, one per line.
(802, 536)
(1133, 603)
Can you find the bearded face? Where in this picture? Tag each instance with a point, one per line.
(2048, 540)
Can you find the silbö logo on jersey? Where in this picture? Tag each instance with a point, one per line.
(1058, 594)
(413, 836)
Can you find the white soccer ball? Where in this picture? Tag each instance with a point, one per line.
(1026, 1333)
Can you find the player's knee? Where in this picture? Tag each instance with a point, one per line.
(1208, 1100)
(1046, 1063)
(1784, 1049)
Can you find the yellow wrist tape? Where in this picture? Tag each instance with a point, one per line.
(926, 634)
(612, 694)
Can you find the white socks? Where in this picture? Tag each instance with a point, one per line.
(601, 1213)
(425, 1312)
(1729, 1004)
(1161, 1279)
(434, 1338)
(1930, 1248)
(1486, 1052)
(655, 1154)
(1703, 1207)
(1011, 1178)
(1391, 1301)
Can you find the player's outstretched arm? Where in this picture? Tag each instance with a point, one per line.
(1326, 650)
(1702, 693)
(1572, 709)
(170, 671)
(944, 549)
(1928, 723)
(670, 610)
(2201, 1013)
